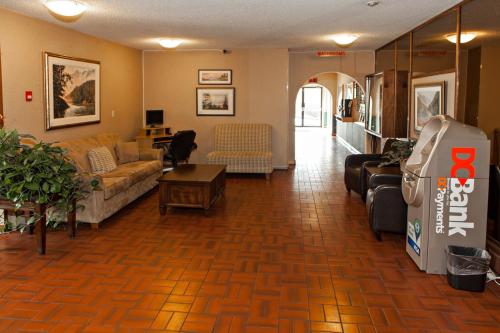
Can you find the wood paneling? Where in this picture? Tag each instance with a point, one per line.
(395, 104)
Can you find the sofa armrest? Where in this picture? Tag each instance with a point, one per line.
(388, 211)
(150, 154)
(384, 179)
(91, 182)
(356, 160)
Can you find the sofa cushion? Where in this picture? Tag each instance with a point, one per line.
(243, 161)
(243, 137)
(78, 151)
(114, 185)
(127, 152)
(109, 140)
(101, 160)
(135, 171)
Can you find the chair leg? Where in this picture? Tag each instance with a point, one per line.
(378, 235)
(95, 226)
(268, 176)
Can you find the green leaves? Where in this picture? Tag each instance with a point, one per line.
(37, 173)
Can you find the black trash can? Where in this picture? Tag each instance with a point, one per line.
(467, 267)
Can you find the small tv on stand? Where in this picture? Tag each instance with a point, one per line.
(154, 118)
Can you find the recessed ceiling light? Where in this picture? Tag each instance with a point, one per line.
(344, 39)
(68, 8)
(372, 3)
(170, 43)
(465, 37)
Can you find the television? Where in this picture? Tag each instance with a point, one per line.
(154, 118)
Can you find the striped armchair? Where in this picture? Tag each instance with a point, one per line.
(243, 148)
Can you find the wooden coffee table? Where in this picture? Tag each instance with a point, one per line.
(193, 186)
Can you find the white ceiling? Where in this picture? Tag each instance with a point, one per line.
(204, 24)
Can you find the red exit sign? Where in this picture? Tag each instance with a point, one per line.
(331, 53)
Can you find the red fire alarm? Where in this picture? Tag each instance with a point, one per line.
(28, 95)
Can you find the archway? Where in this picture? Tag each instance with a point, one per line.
(333, 98)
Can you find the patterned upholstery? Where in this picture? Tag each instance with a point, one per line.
(119, 187)
(244, 148)
(101, 160)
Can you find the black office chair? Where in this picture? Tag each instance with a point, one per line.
(181, 147)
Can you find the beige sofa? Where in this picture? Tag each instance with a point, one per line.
(118, 187)
(244, 148)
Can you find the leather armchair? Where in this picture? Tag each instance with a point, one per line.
(354, 174)
(387, 210)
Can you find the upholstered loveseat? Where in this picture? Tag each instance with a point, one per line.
(243, 148)
(116, 188)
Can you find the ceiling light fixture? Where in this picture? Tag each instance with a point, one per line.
(67, 8)
(372, 3)
(465, 37)
(344, 39)
(169, 43)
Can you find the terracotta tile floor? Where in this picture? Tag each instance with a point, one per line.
(293, 255)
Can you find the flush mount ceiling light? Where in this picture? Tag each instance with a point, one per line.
(465, 37)
(67, 8)
(372, 3)
(344, 39)
(169, 43)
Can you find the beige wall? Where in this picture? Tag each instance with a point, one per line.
(260, 77)
(22, 42)
(305, 65)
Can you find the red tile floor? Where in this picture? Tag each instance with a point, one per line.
(291, 255)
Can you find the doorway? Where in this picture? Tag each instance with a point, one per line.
(310, 108)
(313, 106)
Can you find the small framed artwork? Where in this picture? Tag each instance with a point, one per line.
(72, 91)
(215, 101)
(428, 102)
(215, 76)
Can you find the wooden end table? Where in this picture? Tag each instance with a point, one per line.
(192, 186)
(28, 209)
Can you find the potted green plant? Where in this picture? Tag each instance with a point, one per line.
(38, 173)
(398, 154)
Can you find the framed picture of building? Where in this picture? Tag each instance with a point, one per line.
(215, 101)
(215, 76)
(72, 91)
(428, 102)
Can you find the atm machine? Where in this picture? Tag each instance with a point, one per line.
(445, 184)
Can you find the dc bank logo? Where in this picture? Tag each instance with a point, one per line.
(460, 188)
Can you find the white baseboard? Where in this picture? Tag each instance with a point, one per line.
(347, 145)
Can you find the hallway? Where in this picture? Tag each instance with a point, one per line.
(291, 255)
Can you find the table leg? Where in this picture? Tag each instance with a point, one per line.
(41, 231)
(72, 221)
(163, 210)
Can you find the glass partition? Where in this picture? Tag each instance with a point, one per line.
(480, 65)
(432, 52)
(403, 53)
(385, 58)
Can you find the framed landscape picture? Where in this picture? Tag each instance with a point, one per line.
(428, 102)
(215, 101)
(72, 91)
(215, 76)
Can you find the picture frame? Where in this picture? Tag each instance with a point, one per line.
(215, 101)
(428, 101)
(72, 91)
(215, 76)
